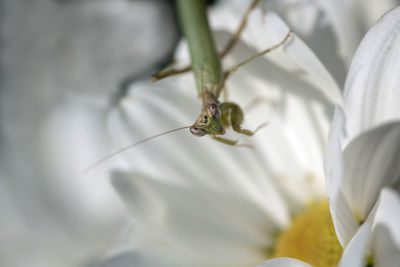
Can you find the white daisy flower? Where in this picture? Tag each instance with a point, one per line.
(199, 203)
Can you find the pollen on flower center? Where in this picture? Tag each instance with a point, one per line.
(311, 238)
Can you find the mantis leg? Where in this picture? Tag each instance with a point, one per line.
(227, 48)
(238, 129)
(236, 118)
(224, 140)
(230, 142)
(266, 51)
(164, 74)
(235, 37)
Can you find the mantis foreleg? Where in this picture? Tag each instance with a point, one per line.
(232, 115)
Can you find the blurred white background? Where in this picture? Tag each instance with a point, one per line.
(62, 63)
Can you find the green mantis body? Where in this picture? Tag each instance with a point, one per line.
(215, 116)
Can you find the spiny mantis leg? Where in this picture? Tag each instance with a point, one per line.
(266, 51)
(232, 114)
(227, 48)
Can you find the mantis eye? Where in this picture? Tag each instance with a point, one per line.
(213, 108)
(197, 131)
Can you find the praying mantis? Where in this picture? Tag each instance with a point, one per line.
(210, 79)
(215, 116)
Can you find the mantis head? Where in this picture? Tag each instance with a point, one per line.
(209, 122)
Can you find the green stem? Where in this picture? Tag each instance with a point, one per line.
(204, 57)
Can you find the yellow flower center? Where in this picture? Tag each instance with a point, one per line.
(311, 238)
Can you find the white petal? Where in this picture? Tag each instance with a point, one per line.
(345, 24)
(142, 245)
(137, 259)
(342, 216)
(370, 162)
(284, 262)
(333, 166)
(386, 244)
(356, 252)
(315, 22)
(372, 92)
(222, 228)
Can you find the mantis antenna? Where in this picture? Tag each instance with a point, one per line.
(108, 157)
